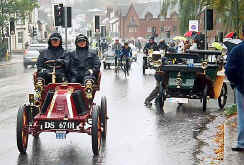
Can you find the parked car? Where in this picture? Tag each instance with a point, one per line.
(31, 54)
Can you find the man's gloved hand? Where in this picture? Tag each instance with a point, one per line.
(89, 72)
(60, 61)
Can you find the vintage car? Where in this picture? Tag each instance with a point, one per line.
(196, 74)
(62, 108)
(152, 60)
(108, 59)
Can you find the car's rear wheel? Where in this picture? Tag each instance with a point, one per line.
(22, 133)
(104, 116)
(104, 65)
(96, 130)
(25, 66)
(204, 98)
(223, 96)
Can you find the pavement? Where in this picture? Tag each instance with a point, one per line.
(230, 137)
(15, 58)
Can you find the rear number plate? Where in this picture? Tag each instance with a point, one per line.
(59, 125)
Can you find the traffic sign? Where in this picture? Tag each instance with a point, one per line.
(193, 25)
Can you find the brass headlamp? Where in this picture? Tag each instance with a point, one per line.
(89, 88)
(204, 65)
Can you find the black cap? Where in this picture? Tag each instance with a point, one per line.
(55, 36)
(81, 37)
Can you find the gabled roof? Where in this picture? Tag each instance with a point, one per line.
(143, 8)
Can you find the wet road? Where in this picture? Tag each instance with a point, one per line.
(136, 134)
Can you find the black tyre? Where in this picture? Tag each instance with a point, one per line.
(143, 70)
(204, 98)
(223, 96)
(104, 116)
(25, 66)
(104, 65)
(96, 130)
(22, 130)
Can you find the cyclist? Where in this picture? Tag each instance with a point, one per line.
(126, 52)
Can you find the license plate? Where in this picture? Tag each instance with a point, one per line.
(60, 134)
(34, 60)
(178, 100)
(59, 125)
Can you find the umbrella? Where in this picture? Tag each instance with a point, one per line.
(190, 33)
(229, 35)
(231, 43)
(179, 38)
(217, 45)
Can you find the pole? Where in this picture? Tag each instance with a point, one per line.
(206, 30)
(66, 28)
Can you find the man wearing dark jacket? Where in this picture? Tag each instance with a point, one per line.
(162, 45)
(53, 52)
(83, 62)
(234, 71)
(150, 45)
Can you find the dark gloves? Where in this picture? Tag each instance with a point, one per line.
(60, 61)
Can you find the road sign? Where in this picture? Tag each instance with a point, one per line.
(193, 25)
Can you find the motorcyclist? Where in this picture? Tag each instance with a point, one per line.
(84, 63)
(151, 45)
(126, 52)
(54, 51)
(117, 46)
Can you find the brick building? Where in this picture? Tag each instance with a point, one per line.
(142, 20)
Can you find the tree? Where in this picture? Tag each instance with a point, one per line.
(229, 12)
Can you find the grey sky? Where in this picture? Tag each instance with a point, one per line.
(89, 4)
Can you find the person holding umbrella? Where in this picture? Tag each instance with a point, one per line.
(234, 72)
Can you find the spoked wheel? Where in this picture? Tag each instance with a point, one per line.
(223, 96)
(124, 69)
(116, 70)
(22, 130)
(96, 130)
(204, 98)
(104, 117)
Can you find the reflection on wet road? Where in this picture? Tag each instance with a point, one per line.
(136, 134)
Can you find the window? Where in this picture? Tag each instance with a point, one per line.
(161, 29)
(20, 21)
(20, 37)
(149, 29)
(132, 29)
(132, 20)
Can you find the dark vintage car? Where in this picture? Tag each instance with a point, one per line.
(193, 75)
(152, 60)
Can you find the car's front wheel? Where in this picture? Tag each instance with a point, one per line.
(96, 130)
(22, 133)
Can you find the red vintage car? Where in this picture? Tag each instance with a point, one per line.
(63, 108)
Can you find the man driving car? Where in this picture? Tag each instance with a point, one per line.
(54, 52)
(84, 63)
